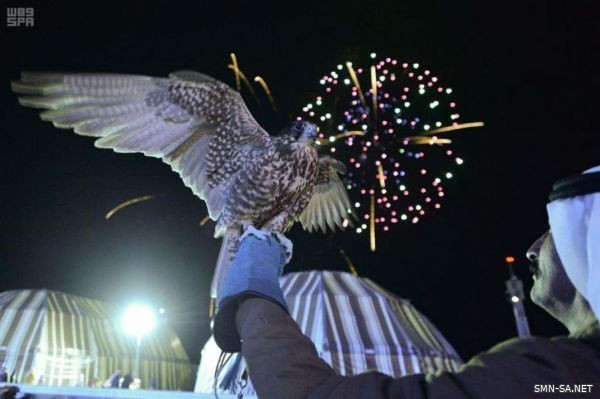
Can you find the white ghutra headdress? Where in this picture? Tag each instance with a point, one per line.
(574, 214)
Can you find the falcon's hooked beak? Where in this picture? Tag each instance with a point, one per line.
(305, 131)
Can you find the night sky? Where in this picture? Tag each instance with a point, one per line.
(526, 68)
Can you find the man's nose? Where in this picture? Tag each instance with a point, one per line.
(533, 253)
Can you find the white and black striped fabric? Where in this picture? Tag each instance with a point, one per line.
(356, 326)
(67, 340)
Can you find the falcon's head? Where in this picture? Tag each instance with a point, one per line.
(301, 132)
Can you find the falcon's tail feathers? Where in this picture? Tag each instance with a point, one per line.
(229, 248)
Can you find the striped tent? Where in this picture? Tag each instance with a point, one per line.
(356, 326)
(67, 340)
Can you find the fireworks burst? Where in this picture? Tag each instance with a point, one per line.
(381, 121)
(127, 203)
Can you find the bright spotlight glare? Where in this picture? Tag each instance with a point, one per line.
(138, 320)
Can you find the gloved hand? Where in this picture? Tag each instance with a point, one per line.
(255, 271)
(283, 240)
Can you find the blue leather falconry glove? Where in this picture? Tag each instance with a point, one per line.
(255, 271)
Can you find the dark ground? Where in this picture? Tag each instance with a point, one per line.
(528, 69)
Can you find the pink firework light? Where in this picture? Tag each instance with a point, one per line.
(382, 121)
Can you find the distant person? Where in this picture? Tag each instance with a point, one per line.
(13, 392)
(29, 378)
(127, 380)
(283, 363)
(3, 374)
(9, 392)
(136, 383)
(113, 380)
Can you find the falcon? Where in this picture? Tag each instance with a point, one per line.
(204, 131)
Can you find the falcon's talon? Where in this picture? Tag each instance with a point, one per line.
(287, 244)
(262, 234)
(253, 231)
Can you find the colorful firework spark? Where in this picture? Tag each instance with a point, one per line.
(377, 120)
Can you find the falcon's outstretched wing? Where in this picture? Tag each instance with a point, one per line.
(329, 204)
(197, 124)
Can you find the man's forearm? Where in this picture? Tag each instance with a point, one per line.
(282, 362)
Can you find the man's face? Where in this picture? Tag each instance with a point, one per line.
(552, 289)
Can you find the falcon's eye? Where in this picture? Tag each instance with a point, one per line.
(299, 126)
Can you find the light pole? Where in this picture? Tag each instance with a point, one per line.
(514, 290)
(138, 320)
